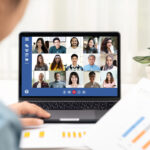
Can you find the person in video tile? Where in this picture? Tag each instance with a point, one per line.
(92, 83)
(74, 48)
(74, 66)
(91, 66)
(57, 48)
(40, 65)
(40, 47)
(73, 80)
(57, 83)
(41, 83)
(57, 64)
(109, 81)
(90, 48)
(107, 46)
(109, 63)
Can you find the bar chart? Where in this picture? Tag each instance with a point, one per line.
(136, 136)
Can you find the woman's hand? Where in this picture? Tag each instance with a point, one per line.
(24, 108)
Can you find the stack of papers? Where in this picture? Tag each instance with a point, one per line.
(55, 136)
(127, 125)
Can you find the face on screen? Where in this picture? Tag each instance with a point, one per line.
(56, 66)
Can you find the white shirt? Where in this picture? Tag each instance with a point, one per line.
(39, 85)
(77, 50)
(78, 86)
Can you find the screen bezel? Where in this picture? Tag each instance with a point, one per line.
(69, 98)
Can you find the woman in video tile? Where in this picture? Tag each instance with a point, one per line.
(73, 80)
(107, 46)
(57, 64)
(109, 63)
(91, 46)
(40, 65)
(109, 81)
(40, 47)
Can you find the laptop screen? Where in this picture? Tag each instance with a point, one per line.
(67, 65)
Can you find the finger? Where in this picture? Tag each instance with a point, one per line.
(28, 108)
(42, 111)
(31, 122)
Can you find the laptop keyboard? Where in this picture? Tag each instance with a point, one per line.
(75, 105)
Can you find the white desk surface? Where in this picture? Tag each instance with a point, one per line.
(9, 95)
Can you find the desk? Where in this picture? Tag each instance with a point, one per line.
(9, 95)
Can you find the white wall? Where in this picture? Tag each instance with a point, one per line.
(130, 18)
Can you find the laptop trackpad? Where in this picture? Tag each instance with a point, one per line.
(74, 116)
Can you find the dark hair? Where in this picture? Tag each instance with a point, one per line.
(115, 63)
(74, 55)
(60, 65)
(55, 39)
(56, 74)
(43, 46)
(38, 63)
(47, 45)
(76, 39)
(104, 45)
(87, 47)
(91, 73)
(112, 78)
(73, 74)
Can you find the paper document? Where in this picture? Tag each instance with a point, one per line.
(127, 125)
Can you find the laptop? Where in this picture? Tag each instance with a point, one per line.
(73, 75)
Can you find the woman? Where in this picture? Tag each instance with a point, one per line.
(91, 46)
(109, 81)
(109, 63)
(40, 47)
(73, 80)
(106, 46)
(40, 65)
(57, 65)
